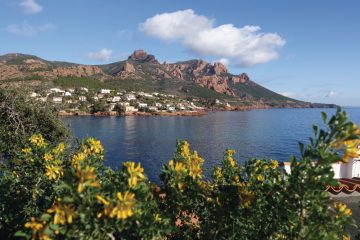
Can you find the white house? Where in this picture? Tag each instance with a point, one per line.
(84, 89)
(129, 97)
(124, 104)
(116, 99)
(181, 107)
(71, 90)
(341, 170)
(67, 94)
(153, 108)
(170, 108)
(56, 90)
(130, 109)
(57, 99)
(142, 106)
(82, 98)
(105, 91)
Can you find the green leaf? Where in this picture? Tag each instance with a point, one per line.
(21, 234)
(324, 117)
(45, 217)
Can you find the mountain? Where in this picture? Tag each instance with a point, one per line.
(142, 71)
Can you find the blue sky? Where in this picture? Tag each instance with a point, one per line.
(305, 49)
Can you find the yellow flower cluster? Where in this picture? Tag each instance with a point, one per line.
(194, 166)
(87, 178)
(187, 164)
(93, 146)
(78, 158)
(135, 172)
(246, 196)
(53, 172)
(178, 167)
(123, 208)
(38, 229)
(349, 147)
(26, 150)
(37, 140)
(274, 164)
(63, 213)
(60, 148)
(342, 209)
(53, 167)
(229, 157)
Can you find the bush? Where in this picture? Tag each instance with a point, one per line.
(54, 195)
(21, 117)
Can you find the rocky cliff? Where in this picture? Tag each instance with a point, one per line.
(142, 71)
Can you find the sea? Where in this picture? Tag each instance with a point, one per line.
(151, 140)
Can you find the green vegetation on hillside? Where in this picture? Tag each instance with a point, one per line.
(91, 83)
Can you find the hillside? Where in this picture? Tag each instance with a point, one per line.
(141, 71)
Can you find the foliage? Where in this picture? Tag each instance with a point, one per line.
(75, 196)
(81, 82)
(20, 117)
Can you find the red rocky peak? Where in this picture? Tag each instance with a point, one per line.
(141, 55)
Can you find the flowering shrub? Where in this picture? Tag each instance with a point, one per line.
(51, 193)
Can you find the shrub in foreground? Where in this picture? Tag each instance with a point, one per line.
(48, 194)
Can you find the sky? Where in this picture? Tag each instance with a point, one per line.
(308, 50)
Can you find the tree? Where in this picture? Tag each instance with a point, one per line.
(21, 117)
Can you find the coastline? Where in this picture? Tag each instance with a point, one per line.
(63, 113)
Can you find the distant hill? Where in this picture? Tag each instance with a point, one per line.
(142, 71)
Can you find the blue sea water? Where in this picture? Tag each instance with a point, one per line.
(272, 133)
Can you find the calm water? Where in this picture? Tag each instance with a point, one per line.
(151, 140)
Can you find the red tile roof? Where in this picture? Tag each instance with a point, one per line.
(347, 185)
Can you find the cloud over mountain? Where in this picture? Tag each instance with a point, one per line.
(102, 55)
(246, 45)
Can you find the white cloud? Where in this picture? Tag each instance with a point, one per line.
(224, 61)
(246, 45)
(175, 25)
(26, 29)
(30, 6)
(330, 94)
(102, 55)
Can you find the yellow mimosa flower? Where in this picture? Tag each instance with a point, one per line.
(54, 172)
(78, 158)
(34, 225)
(26, 150)
(95, 146)
(195, 171)
(342, 208)
(185, 150)
(59, 148)
(63, 213)
(37, 140)
(124, 206)
(87, 178)
(218, 173)
(260, 178)
(135, 172)
(48, 157)
(274, 164)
